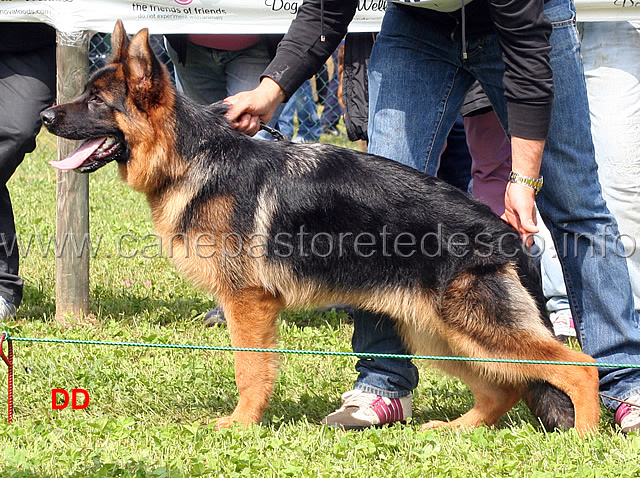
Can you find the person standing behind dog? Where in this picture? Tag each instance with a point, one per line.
(27, 87)
(611, 55)
(423, 63)
(208, 68)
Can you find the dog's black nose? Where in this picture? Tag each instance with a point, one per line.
(48, 117)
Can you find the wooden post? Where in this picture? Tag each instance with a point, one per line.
(72, 189)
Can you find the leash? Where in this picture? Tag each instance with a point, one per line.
(618, 400)
(272, 131)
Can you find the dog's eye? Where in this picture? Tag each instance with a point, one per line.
(96, 100)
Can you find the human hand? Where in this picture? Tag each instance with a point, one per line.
(519, 211)
(248, 108)
(520, 199)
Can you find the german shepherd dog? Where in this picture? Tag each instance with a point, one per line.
(269, 226)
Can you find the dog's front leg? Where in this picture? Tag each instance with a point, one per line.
(251, 317)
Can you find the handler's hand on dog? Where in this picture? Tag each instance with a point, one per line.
(519, 211)
(249, 107)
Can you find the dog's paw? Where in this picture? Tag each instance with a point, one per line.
(433, 424)
(224, 422)
(229, 422)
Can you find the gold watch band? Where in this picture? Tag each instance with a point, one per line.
(536, 184)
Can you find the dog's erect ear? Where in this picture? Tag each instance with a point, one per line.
(142, 63)
(119, 43)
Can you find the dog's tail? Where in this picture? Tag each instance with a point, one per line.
(550, 405)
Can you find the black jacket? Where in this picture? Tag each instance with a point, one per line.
(21, 37)
(522, 29)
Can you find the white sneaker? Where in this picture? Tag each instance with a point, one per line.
(562, 322)
(628, 416)
(363, 410)
(7, 309)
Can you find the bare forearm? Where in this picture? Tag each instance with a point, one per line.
(519, 198)
(526, 156)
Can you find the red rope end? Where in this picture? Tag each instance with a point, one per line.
(8, 359)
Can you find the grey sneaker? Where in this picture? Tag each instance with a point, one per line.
(332, 130)
(215, 317)
(7, 309)
(362, 410)
(301, 140)
(628, 416)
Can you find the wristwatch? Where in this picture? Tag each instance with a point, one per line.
(536, 184)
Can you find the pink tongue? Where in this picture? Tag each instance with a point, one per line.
(79, 156)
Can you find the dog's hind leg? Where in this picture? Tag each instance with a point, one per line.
(497, 386)
(489, 314)
(251, 317)
(492, 400)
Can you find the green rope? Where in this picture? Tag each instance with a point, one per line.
(318, 352)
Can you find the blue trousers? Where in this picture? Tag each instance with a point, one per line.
(302, 104)
(210, 75)
(417, 84)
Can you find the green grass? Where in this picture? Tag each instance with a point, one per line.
(150, 409)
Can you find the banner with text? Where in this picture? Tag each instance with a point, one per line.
(226, 16)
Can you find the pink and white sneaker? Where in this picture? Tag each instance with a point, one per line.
(563, 326)
(362, 410)
(628, 416)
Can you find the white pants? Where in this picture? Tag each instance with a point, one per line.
(611, 55)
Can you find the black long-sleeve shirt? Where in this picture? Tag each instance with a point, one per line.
(522, 29)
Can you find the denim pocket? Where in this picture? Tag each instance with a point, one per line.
(561, 13)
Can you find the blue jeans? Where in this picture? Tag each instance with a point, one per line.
(417, 84)
(210, 75)
(302, 104)
(553, 286)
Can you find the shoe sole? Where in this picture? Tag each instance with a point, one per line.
(363, 427)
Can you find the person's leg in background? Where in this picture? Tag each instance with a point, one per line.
(455, 160)
(490, 150)
(611, 57)
(412, 132)
(27, 86)
(584, 230)
(553, 286)
(285, 121)
(308, 121)
(301, 104)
